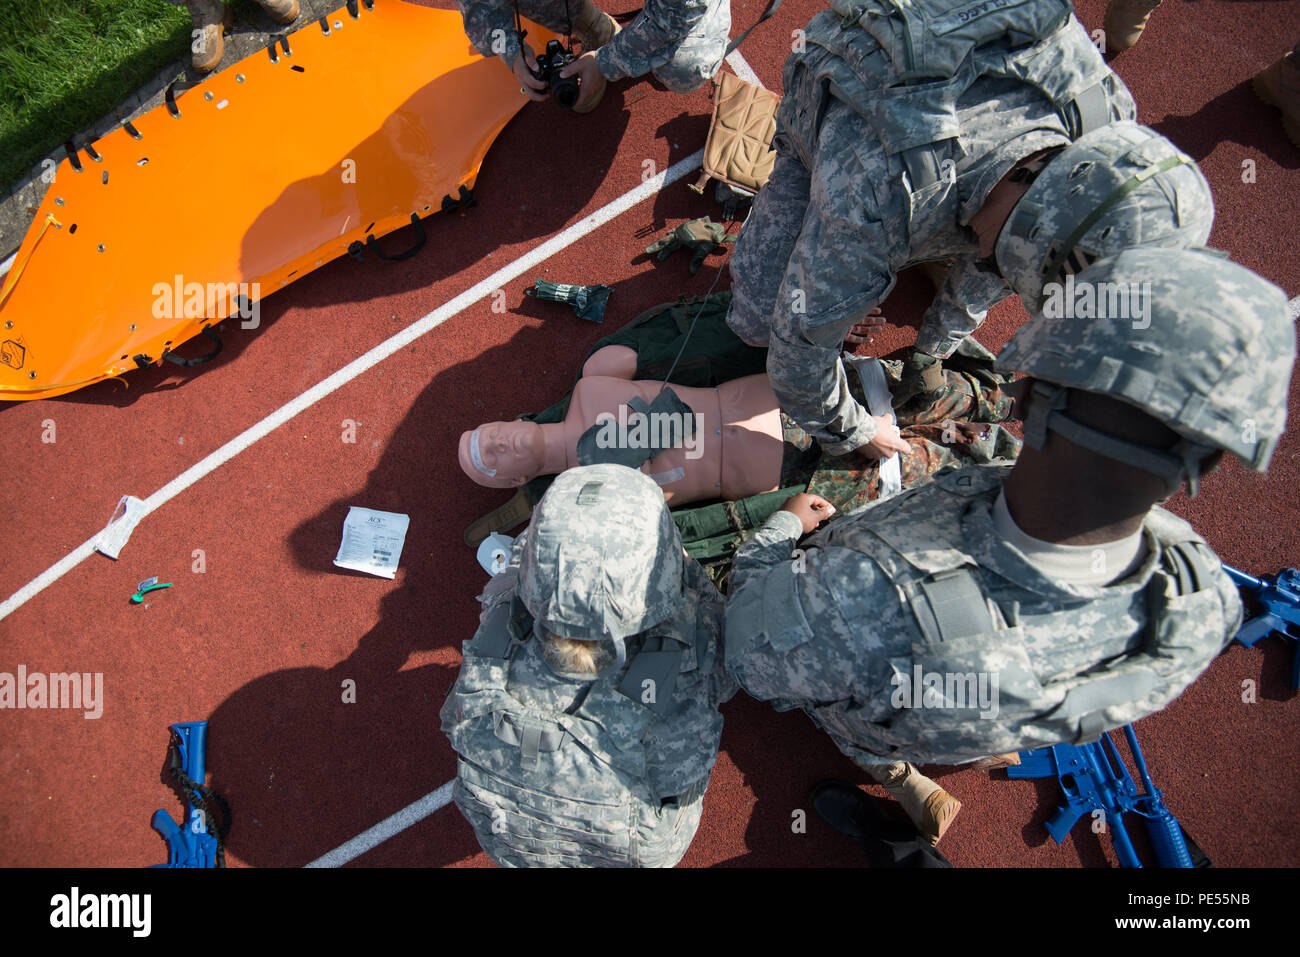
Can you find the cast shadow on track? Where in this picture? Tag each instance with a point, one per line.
(304, 772)
(782, 756)
(1236, 115)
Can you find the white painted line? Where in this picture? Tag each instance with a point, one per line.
(369, 360)
(408, 816)
(1293, 308)
(743, 69)
(4, 266)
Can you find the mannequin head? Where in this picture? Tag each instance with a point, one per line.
(513, 450)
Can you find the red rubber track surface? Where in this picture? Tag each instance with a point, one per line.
(261, 642)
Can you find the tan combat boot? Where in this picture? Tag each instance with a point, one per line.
(281, 11)
(1125, 20)
(930, 807)
(1279, 85)
(593, 27)
(208, 17)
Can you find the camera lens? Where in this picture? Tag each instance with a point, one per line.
(565, 91)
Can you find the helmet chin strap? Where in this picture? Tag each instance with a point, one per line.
(1047, 412)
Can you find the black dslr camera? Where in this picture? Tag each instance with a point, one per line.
(564, 89)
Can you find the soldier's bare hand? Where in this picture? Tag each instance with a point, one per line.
(888, 440)
(590, 79)
(811, 510)
(860, 334)
(524, 65)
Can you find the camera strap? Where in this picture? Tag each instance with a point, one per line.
(568, 22)
(771, 9)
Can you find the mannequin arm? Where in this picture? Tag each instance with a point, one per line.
(617, 362)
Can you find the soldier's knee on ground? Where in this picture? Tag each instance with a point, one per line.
(684, 77)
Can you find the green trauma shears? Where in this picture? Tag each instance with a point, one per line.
(146, 586)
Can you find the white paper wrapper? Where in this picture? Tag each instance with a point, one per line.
(372, 541)
(126, 516)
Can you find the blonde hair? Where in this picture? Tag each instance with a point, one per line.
(574, 656)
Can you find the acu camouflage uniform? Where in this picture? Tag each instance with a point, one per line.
(563, 769)
(681, 41)
(922, 579)
(873, 175)
(712, 533)
(973, 393)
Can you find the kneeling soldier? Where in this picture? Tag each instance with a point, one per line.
(586, 711)
(998, 609)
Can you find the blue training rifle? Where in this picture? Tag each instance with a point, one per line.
(195, 844)
(1279, 597)
(1094, 777)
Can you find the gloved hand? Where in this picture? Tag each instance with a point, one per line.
(701, 236)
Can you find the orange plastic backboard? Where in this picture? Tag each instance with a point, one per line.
(258, 175)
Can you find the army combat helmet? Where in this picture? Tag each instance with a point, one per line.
(603, 558)
(1199, 343)
(1115, 188)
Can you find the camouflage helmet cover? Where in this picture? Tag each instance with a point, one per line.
(602, 557)
(1210, 356)
(1118, 187)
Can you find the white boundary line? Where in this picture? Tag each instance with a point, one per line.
(363, 363)
(1293, 308)
(408, 816)
(743, 69)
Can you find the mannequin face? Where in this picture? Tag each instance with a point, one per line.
(514, 449)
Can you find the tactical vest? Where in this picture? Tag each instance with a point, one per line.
(584, 784)
(936, 51)
(962, 631)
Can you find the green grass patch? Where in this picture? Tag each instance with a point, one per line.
(65, 63)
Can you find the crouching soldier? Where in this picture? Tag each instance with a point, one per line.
(1060, 578)
(586, 712)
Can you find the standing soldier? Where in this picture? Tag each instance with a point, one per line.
(999, 609)
(586, 711)
(681, 42)
(915, 132)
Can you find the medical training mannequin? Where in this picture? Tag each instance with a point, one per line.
(735, 451)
